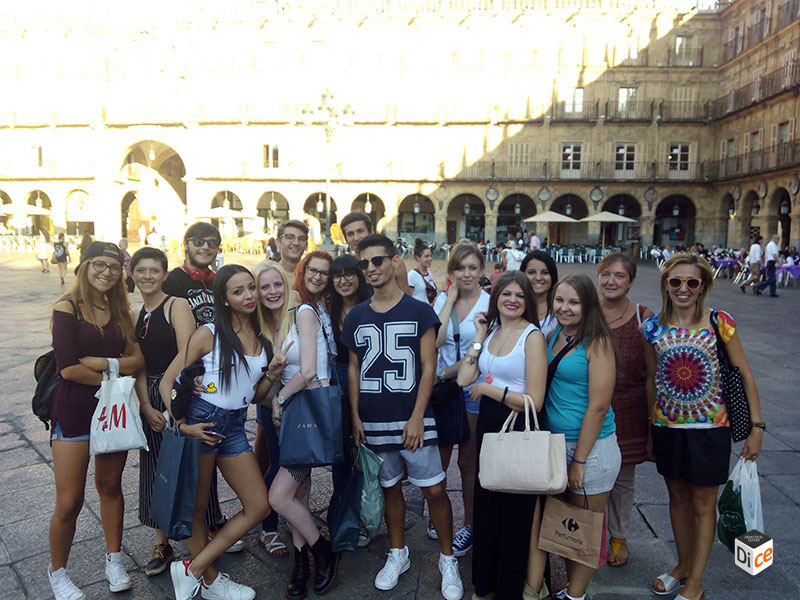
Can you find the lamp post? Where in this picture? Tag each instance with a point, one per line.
(327, 114)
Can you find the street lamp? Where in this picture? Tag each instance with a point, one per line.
(568, 209)
(320, 205)
(368, 205)
(676, 210)
(517, 208)
(785, 207)
(756, 207)
(621, 210)
(327, 114)
(417, 207)
(467, 208)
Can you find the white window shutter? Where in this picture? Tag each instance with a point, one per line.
(746, 143)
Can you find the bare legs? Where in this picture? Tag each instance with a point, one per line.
(438, 505)
(580, 575)
(291, 500)
(537, 559)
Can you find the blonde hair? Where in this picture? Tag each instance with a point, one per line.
(265, 320)
(706, 274)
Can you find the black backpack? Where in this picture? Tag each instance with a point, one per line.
(45, 371)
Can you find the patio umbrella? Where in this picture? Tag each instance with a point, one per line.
(604, 217)
(550, 216)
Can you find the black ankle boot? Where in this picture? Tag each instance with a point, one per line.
(296, 588)
(326, 563)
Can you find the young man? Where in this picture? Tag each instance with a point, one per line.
(194, 281)
(292, 243)
(392, 343)
(355, 227)
(771, 262)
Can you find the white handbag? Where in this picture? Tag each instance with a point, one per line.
(116, 424)
(523, 462)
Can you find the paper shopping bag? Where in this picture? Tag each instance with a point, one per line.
(573, 532)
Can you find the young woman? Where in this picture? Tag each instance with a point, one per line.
(542, 272)
(508, 352)
(275, 301)
(464, 269)
(61, 254)
(234, 354)
(579, 404)
(91, 330)
(162, 325)
(691, 439)
(43, 250)
(616, 274)
(420, 280)
(307, 368)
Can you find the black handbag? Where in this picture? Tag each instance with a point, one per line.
(733, 393)
(447, 401)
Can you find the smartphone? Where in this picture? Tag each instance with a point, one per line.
(214, 433)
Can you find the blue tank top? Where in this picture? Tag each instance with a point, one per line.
(568, 397)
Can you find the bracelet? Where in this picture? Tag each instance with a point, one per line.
(505, 396)
(270, 379)
(580, 462)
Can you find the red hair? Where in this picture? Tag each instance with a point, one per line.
(299, 276)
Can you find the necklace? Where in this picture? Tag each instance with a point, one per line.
(624, 310)
(488, 378)
(98, 307)
(568, 338)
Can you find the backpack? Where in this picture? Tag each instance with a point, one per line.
(45, 372)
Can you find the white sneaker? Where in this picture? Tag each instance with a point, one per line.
(222, 588)
(183, 582)
(118, 580)
(397, 563)
(63, 588)
(452, 588)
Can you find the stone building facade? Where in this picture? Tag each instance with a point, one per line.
(468, 116)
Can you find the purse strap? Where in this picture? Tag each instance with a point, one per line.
(331, 357)
(553, 366)
(456, 332)
(529, 407)
(722, 350)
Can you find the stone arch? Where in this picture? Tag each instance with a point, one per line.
(159, 157)
(727, 207)
(416, 218)
(228, 226)
(509, 219)
(273, 207)
(311, 212)
(463, 222)
(39, 218)
(79, 216)
(133, 225)
(619, 234)
(573, 206)
(674, 222)
(749, 207)
(6, 202)
(377, 208)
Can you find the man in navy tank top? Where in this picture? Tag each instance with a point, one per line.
(392, 342)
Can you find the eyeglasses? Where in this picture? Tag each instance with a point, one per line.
(376, 261)
(100, 266)
(200, 242)
(314, 272)
(292, 238)
(691, 282)
(145, 326)
(347, 275)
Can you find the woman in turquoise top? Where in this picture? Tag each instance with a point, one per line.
(578, 404)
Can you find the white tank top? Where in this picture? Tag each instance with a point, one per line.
(509, 370)
(243, 381)
(293, 356)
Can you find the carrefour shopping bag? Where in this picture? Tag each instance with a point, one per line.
(739, 505)
(116, 424)
(574, 532)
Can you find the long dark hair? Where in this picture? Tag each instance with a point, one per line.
(551, 268)
(506, 279)
(345, 264)
(231, 350)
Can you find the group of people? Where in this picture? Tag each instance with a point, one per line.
(601, 369)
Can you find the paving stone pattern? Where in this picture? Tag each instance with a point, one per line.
(770, 330)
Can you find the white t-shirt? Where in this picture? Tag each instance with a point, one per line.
(771, 253)
(417, 284)
(755, 254)
(514, 259)
(466, 330)
(666, 253)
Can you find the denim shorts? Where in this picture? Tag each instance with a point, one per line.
(229, 423)
(602, 465)
(58, 435)
(424, 467)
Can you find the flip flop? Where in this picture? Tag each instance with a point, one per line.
(671, 585)
(617, 544)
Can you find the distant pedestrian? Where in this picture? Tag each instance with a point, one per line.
(43, 251)
(754, 260)
(771, 261)
(420, 279)
(61, 255)
(126, 265)
(536, 243)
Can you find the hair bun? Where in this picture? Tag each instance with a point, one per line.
(418, 243)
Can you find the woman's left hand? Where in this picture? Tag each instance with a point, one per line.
(95, 363)
(198, 388)
(477, 390)
(752, 445)
(575, 475)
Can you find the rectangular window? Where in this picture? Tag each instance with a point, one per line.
(571, 157)
(574, 101)
(755, 141)
(266, 156)
(626, 102)
(39, 156)
(624, 157)
(678, 157)
(783, 133)
(275, 156)
(684, 51)
(271, 156)
(519, 153)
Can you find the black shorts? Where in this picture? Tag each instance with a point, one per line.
(700, 456)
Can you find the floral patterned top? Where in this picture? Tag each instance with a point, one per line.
(688, 386)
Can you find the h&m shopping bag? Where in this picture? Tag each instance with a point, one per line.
(739, 505)
(116, 424)
(573, 532)
(175, 484)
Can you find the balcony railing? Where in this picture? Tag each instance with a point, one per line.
(613, 170)
(632, 110)
(690, 110)
(771, 84)
(571, 112)
(755, 34)
(779, 156)
(690, 57)
(788, 12)
(730, 50)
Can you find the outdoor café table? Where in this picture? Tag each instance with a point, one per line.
(722, 263)
(788, 272)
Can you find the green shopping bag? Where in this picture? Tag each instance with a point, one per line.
(373, 504)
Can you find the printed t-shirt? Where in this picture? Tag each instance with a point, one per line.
(199, 294)
(688, 384)
(388, 349)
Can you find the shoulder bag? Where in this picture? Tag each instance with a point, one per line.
(447, 401)
(523, 462)
(732, 389)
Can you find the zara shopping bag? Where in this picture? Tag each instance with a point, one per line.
(308, 437)
(574, 532)
(523, 462)
(175, 484)
(116, 424)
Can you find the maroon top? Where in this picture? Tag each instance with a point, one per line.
(630, 397)
(74, 403)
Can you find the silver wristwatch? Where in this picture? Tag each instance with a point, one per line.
(281, 399)
(477, 346)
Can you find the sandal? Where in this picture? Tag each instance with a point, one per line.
(617, 545)
(671, 585)
(682, 597)
(272, 543)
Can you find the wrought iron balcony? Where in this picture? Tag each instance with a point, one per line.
(690, 110)
(585, 111)
(632, 110)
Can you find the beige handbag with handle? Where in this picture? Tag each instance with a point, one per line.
(523, 462)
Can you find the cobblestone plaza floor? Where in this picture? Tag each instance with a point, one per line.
(770, 331)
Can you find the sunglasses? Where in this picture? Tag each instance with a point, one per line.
(376, 261)
(200, 242)
(691, 282)
(145, 326)
(100, 266)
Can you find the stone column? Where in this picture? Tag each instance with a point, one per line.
(440, 225)
(490, 226)
(646, 230)
(794, 231)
